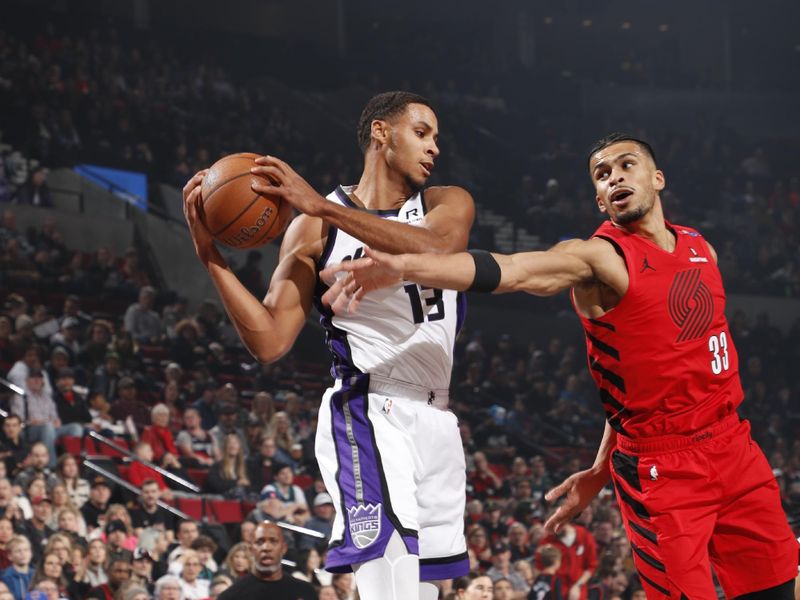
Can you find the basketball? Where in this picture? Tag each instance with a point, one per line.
(235, 214)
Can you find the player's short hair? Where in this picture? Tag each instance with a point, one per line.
(548, 556)
(384, 107)
(616, 137)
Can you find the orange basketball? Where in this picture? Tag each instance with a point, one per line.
(234, 214)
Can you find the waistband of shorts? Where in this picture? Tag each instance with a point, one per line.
(384, 385)
(679, 442)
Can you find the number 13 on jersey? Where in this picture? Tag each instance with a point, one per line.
(421, 297)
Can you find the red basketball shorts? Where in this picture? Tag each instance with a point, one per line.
(703, 500)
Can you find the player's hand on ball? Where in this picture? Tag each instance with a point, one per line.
(580, 489)
(192, 211)
(287, 184)
(351, 280)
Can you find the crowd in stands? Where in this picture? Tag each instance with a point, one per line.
(98, 348)
(177, 389)
(75, 96)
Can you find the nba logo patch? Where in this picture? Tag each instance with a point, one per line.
(365, 524)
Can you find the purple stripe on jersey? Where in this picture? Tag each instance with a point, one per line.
(365, 510)
(435, 571)
(461, 311)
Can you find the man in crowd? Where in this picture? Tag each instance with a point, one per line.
(39, 465)
(99, 495)
(119, 572)
(148, 513)
(13, 447)
(321, 521)
(268, 579)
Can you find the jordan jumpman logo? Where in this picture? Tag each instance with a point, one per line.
(646, 265)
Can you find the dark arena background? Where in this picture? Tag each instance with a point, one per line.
(108, 107)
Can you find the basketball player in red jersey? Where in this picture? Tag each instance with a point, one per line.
(694, 489)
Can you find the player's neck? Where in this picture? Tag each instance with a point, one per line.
(654, 228)
(381, 188)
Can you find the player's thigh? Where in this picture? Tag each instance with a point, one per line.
(668, 510)
(753, 547)
(441, 490)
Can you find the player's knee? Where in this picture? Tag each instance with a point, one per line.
(784, 591)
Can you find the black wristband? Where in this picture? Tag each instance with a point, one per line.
(487, 272)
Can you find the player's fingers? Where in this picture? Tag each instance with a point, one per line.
(559, 490)
(556, 520)
(195, 181)
(271, 173)
(273, 161)
(267, 189)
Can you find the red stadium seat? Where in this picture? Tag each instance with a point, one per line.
(304, 481)
(226, 511)
(198, 476)
(71, 444)
(191, 506)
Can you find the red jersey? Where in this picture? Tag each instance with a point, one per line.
(663, 358)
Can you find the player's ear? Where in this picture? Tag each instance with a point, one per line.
(659, 183)
(600, 204)
(380, 131)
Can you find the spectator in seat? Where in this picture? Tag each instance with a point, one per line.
(578, 557)
(548, 584)
(503, 590)
(141, 321)
(206, 404)
(473, 587)
(142, 573)
(197, 447)
(187, 533)
(268, 579)
(280, 428)
(119, 571)
(128, 405)
(239, 561)
(97, 505)
(68, 473)
(71, 406)
(13, 447)
(205, 548)
(18, 576)
(148, 513)
(39, 461)
(261, 465)
(140, 471)
(478, 544)
(501, 568)
(51, 569)
(518, 542)
(168, 587)
(293, 501)
(102, 421)
(219, 584)
(67, 338)
(159, 436)
(94, 352)
(36, 529)
(6, 533)
(187, 347)
(228, 423)
(31, 361)
(105, 379)
(35, 191)
(483, 479)
(228, 476)
(321, 522)
(38, 410)
(95, 563)
(116, 534)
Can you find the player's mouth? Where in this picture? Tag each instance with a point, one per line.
(620, 196)
(427, 167)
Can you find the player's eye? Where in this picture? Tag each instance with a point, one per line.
(420, 133)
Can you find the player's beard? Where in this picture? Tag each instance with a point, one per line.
(268, 570)
(631, 217)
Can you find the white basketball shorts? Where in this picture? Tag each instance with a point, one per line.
(391, 457)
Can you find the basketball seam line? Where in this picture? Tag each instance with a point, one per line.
(236, 218)
(224, 183)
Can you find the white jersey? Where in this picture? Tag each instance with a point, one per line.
(405, 333)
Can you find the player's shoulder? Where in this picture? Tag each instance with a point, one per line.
(447, 194)
(305, 236)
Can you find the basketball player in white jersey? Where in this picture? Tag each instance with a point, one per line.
(388, 449)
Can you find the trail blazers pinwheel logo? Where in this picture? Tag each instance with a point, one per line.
(691, 305)
(365, 524)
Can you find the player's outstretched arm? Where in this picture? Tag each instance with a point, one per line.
(269, 328)
(445, 227)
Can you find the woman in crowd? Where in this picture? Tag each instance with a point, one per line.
(239, 561)
(228, 476)
(68, 473)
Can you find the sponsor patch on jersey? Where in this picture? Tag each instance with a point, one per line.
(365, 524)
(690, 233)
(697, 258)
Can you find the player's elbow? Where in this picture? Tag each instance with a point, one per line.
(271, 353)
